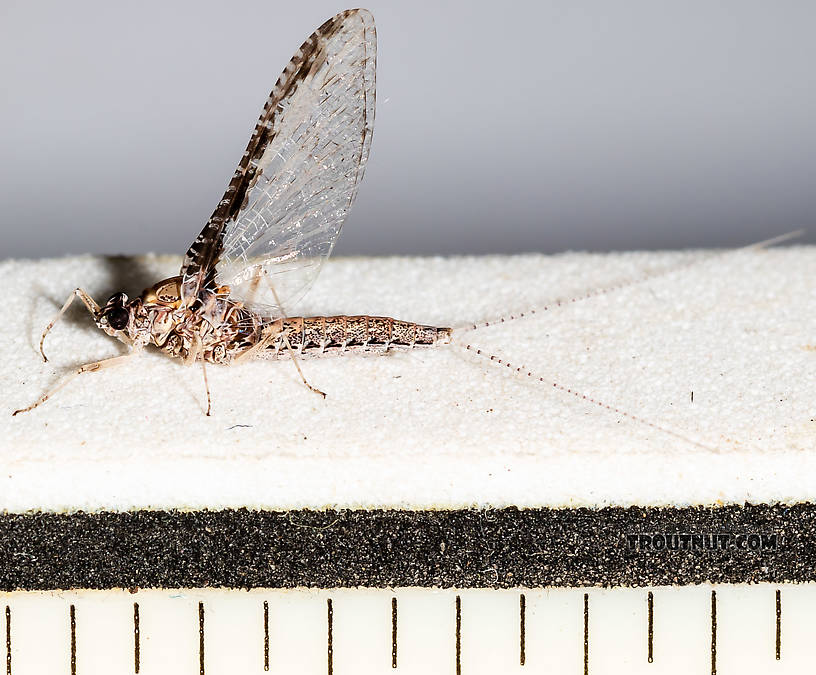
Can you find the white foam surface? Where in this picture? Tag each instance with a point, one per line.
(441, 427)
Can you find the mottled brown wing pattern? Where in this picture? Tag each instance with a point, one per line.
(236, 216)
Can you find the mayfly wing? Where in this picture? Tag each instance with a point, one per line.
(286, 203)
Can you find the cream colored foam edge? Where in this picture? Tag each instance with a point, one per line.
(444, 427)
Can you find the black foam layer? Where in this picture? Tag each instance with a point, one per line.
(499, 548)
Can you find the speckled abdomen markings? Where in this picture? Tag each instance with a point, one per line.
(315, 335)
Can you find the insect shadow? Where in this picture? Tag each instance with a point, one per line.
(127, 272)
(121, 272)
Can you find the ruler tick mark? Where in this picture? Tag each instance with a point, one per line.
(136, 635)
(458, 635)
(266, 635)
(393, 632)
(650, 629)
(8, 640)
(201, 638)
(586, 633)
(330, 638)
(713, 632)
(778, 624)
(522, 625)
(72, 613)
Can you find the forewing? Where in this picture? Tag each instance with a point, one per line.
(284, 208)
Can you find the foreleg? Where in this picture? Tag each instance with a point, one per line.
(89, 303)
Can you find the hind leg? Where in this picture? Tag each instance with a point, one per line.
(265, 342)
(285, 340)
(300, 372)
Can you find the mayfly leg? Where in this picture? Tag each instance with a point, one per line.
(206, 385)
(89, 303)
(267, 340)
(300, 372)
(253, 288)
(288, 346)
(196, 349)
(87, 368)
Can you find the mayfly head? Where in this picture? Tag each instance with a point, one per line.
(116, 315)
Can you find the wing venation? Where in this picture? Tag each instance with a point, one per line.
(287, 201)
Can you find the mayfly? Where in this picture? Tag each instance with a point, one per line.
(273, 229)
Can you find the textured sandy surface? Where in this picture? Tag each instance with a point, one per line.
(470, 548)
(441, 427)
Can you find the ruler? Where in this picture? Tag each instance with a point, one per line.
(619, 589)
(693, 629)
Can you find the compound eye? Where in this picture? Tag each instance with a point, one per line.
(118, 318)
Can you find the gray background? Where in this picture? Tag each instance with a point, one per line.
(501, 127)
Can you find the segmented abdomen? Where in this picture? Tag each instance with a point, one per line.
(336, 334)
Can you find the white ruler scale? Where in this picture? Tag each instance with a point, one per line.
(685, 629)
